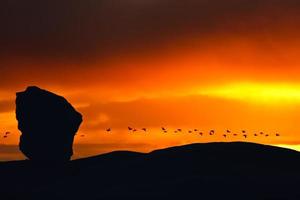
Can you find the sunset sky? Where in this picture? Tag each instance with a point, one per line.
(205, 64)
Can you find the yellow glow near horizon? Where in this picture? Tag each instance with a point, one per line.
(293, 147)
(256, 92)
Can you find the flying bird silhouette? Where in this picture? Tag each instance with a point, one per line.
(7, 133)
(195, 130)
(134, 130)
(129, 128)
(179, 129)
(224, 136)
(108, 130)
(201, 133)
(261, 133)
(228, 131)
(235, 134)
(267, 135)
(243, 131)
(277, 134)
(245, 136)
(255, 134)
(144, 129)
(190, 131)
(211, 132)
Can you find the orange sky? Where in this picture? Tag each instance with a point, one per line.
(239, 69)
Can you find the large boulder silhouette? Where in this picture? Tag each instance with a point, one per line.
(48, 123)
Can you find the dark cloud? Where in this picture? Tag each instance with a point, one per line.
(76, 28)
(67, 42)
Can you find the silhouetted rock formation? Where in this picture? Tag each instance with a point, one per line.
(48, 124)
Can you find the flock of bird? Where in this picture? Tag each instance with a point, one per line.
(227, 133)
(243, 133)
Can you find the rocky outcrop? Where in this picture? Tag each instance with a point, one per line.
(48, 123)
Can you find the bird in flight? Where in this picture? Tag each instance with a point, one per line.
(190, 131)
(195, 130)
(201, 133)
(277, 134)
(144, 129)
(7, 133)
(235, 134)
(255, 134)
(134, 130)
(243, 131)
(179, 129)
(267, 135)
(211, 132)
(108, 130)
(5, 136)
(245, 135)
(228, 131)
(224, 135)
(129, 128)
(261, 133)
(164, 129)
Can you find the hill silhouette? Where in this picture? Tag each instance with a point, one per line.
(235, 170)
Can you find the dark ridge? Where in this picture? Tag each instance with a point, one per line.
(235, 170)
